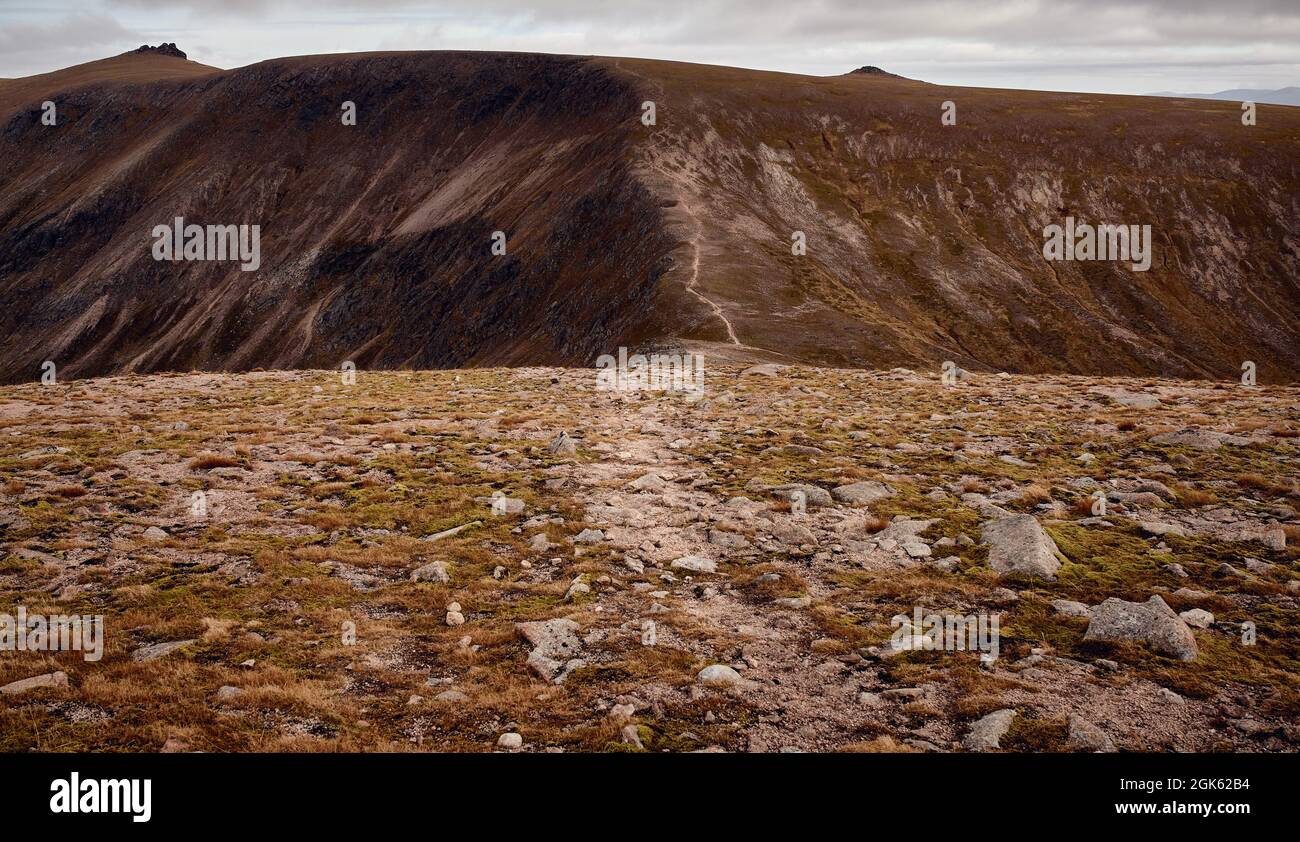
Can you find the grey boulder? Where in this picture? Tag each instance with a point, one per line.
(1018, 544)
(1152, 622)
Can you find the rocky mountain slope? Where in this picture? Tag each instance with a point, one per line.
(923, 240)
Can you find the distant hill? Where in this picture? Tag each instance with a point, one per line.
(923, 241)
(1282, 96)
(148, 64)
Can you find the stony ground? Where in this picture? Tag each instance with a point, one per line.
(643, 582)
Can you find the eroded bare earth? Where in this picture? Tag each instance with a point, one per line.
(323, 502)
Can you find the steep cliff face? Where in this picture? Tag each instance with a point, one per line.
(923, 240)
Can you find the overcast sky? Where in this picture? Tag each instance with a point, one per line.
(1114, 46)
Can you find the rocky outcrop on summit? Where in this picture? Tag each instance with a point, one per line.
(166, 49)
(872, 70)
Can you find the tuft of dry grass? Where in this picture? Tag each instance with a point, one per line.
(1259, 482)
(874, 523)
(208, 461)
(884, 744)
(1035, 494)
(1193, 498)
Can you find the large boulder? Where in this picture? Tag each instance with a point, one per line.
(1152, 622)
(1018, 544)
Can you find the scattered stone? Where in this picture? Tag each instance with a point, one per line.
(562, 445)
(948, 564)
(434, 571)
(1274, 539)
(649, 482)
(719, 676)
(1158, 529)
(861, 493)
(987, 733)
(1197, 618)
(1069, 608)
(157, 650)
(503, 505)
(696, 564)
(916, 549)
(510, 741)
(455, 530)
(1088, 737)
(631, 735)
(50, 679)
(556, 647)
(1198, 439)
(1262, 568)
(814, 496)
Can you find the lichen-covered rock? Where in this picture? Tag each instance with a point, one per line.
(1018, 544)
(1152, 622)
(556, 646)
(861, 493)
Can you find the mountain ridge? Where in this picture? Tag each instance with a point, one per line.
(923, 239)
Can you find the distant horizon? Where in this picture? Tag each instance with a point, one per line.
(1164, 93)
(1104, 47)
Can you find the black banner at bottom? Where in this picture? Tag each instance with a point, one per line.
(229, 792)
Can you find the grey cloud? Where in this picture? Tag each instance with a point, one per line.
(31, 47)
(1081, 44)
